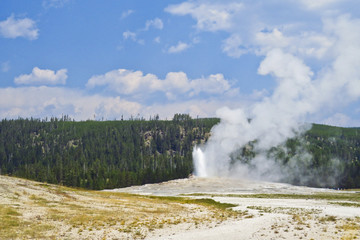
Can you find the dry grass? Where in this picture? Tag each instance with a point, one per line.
(302, 219)
(14, 226)
(350, 227)
(32, 210)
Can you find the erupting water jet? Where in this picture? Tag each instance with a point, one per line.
(199, 162)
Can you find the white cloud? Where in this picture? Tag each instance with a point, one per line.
(306, 44)
(253, 28)
(344, 74)
(201, 108)
(196, 40)
(214, 84)
(341, 120)
(315, 45)
(122, 81)
(129, 35)
(42, 77)
(44, 101)
(209, 17)
(175, 84)
(156, 23)
(54, 101)
(232, 46)
(5, 66)
(54, 3)
(133, 36)
(178, 48)
(127, 13)
(273, 39)
(141, 41)
(285, 67)
(13, 28)
(311, 4)
(157, 39)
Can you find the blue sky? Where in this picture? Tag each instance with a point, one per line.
(104, 59)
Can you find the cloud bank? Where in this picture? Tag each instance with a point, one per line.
(43, 101)
(307, 48)
(127, 82)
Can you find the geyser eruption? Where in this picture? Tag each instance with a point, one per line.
(199, 163)
(270, 122)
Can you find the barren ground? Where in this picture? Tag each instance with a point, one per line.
(232, 209)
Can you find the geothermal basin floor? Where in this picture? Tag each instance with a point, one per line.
(219, 186)
(273, 210)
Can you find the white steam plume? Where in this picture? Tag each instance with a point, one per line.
(299, 93)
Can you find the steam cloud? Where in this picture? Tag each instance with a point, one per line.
(299, 93)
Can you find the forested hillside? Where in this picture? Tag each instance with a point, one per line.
(324, 156)
(111, 154)
(101, 154)
(327, 143)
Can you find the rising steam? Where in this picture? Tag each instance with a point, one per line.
(269, 123)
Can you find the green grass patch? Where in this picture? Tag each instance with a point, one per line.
(343, 196)
(346, 204)
(12, 226)
(207, 202)
(9, 222)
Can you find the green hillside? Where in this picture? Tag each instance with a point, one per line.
(110, 154)
(100, 154)
(326, 143)
(330, 131)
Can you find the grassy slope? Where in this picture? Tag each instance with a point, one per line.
(36, 210)
(30, 209)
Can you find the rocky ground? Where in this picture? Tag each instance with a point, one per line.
(273, 210)
(194, 208)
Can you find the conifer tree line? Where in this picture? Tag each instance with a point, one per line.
(112, 154)
(328, 144)
(324, 156)
(101, 154)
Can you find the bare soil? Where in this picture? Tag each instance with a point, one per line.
(274, 210)
(177, 210)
